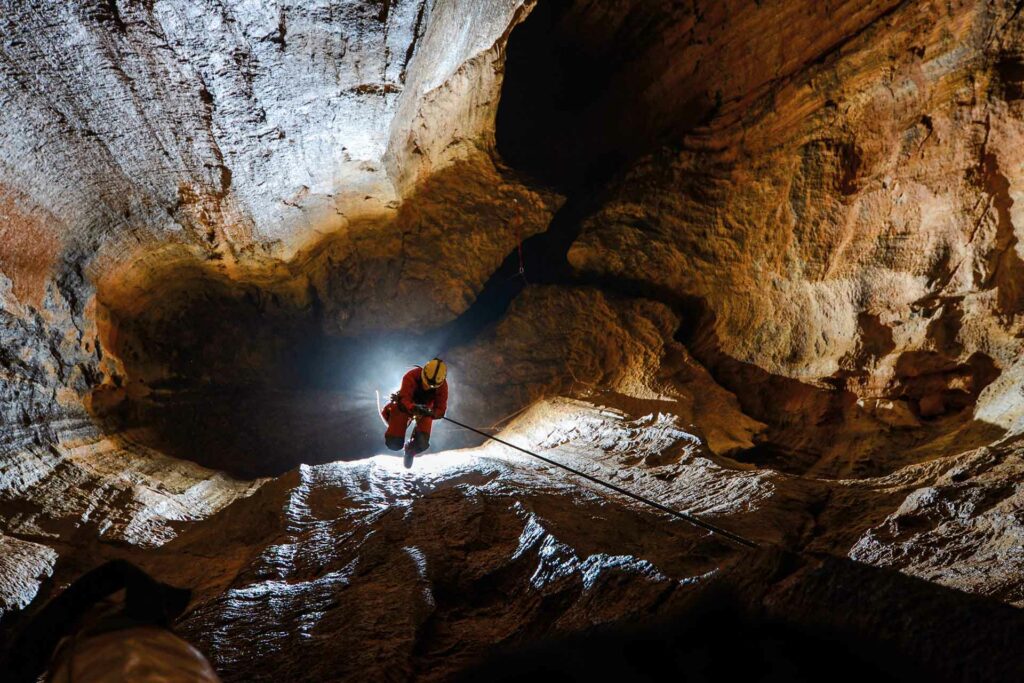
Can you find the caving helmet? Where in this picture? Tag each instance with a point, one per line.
(434, 373)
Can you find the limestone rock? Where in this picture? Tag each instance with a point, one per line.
(960, 528)
(582, 342)
(23, 565)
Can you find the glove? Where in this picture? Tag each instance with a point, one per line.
(422, 410)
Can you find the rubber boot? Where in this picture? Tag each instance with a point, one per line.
(416, 445)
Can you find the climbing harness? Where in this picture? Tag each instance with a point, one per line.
(735, 538)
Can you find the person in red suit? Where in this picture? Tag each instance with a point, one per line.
(423, 398)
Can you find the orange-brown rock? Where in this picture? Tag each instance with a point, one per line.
(583, 343)
(843, 207)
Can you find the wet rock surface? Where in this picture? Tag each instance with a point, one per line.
(434, 570)
(771, 280)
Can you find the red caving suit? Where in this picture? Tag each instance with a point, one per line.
(399, 413)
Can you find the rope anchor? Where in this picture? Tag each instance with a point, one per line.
(707, 526)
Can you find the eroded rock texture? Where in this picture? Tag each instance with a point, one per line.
(756, 261)
(844, 210)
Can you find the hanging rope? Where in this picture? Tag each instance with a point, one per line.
(519, 246)
(519, 241)
(735, 538)
(517, 222)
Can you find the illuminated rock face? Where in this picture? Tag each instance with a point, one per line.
(356, 570)
(775, 282)
(393, 599)
(845, 210)
(223, 123)
(581, 342)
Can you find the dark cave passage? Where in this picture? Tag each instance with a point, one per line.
(554, 81)
(261, 391)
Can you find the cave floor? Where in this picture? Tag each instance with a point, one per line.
(334, 568)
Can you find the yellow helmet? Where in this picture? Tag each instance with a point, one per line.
(434, 373)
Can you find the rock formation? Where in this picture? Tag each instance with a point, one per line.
(757, 261)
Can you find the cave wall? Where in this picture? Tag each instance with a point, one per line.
(240, 138)
(582, 342)
(173, 172)
(224, 168)
(845, 205)
(192, 108)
